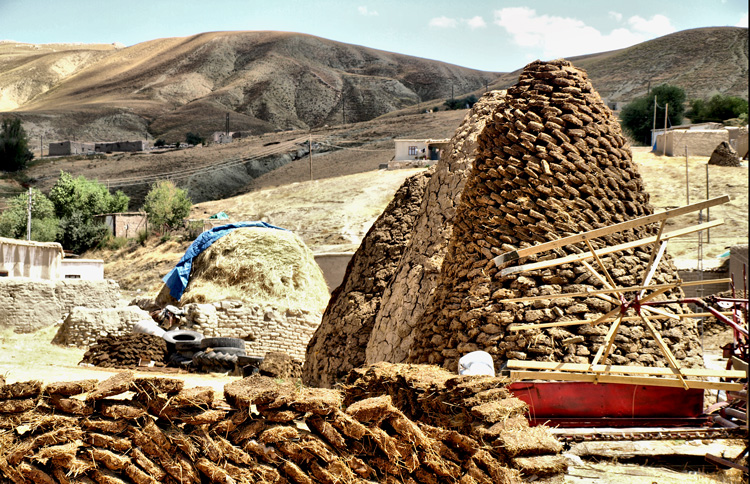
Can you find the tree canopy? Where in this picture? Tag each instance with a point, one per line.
(166, 205)
(637, 117)
(717, 109)
(44, 223)
(14, 146)
(88, 197)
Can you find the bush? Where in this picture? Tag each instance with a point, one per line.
(193, 139)
(463, 103)
(76, 201)
(159, 143)
(717, 109)
(142, 237)
(166, 205)
(114, 243)
(637, 117)
(44, 224)
(14, 151)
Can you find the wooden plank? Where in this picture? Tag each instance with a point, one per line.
(604, 350)
(617, 289)
(606, 250)
(592, 234)
(590, 321)
(664, 348)
(627, 380)
(626, 369)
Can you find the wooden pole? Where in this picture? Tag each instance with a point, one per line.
(687, 176)
(309, 152)
(666, 111)
(708, 213)
(28, 219)
(653, 130)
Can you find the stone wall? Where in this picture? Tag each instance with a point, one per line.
(263, 328)
(83, 326)
(31, 304)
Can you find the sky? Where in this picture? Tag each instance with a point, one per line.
(498, 35)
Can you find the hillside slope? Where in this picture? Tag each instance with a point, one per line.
(265, 80)
(702, 61)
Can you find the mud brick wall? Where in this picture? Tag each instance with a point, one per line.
(414, 281)
(339, 343)
(31, 304)
(264, 329)
(83, 326)
(552, 162)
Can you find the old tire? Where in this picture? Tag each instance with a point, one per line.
(182, 335)
(222, 343)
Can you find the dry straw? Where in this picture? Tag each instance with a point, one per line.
(258, 266)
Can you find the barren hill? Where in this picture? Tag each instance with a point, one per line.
(702, 61)
(265, 80)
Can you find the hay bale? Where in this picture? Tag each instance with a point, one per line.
(258, 264)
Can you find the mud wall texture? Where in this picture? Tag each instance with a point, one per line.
(551, 162)
(339, 343)
(31, 304)
(83, 326)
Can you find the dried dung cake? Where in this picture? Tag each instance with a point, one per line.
(552, 162)
(258, 264)
(339, 343)
(126, 351)
(410, 290)
(371, 441)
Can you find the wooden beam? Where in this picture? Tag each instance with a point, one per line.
(664, 348)
(628, 380)
(606, 250)
(590, 321)
(592, 234)
(604, 350)
(617, 289)
(626, 369)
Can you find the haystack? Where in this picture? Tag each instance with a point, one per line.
(253, 265)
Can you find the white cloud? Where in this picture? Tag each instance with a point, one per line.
(476, 22)
(363, 10)
(658, 25)
(556, 36)
(616, 15)
(743, 21)
(443, 22)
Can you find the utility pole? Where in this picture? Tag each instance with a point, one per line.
(41, 146)
(28, 218)
(226, 132)
(343, 108)
(666, 112)
(451, 90)
(486, 89)
(309, 152)
(653, 130)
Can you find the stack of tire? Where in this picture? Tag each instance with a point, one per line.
(218, 354)
(182, 344)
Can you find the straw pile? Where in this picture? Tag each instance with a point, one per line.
(253, 265)
(152, 430)
(551, 162)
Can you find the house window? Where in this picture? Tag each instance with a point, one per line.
(412, 150)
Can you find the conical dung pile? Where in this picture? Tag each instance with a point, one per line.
(410, 291)
(552, 162)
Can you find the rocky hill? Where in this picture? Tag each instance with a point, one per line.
(702, 61)
(166, 87)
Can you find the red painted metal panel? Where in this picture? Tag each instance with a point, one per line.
(552, 399)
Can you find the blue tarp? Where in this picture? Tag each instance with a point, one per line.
(177, 279)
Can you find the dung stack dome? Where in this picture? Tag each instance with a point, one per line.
(552, 162)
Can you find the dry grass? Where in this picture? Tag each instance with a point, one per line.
(665, 180)
(258, 265)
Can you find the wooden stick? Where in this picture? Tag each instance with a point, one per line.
(626, 369)
(651, 267)
(606, 250)
(628, 380)
(592, 234)
(664, 348)
(604, 350)
(618, 289)
(610, 281)
(589, 321)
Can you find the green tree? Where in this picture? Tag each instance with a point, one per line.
(193, 139)
(89, 197)
(637, 117)
(717, 109)
(44, 224)
(14, 150)
(166, 205)
(76, 201)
